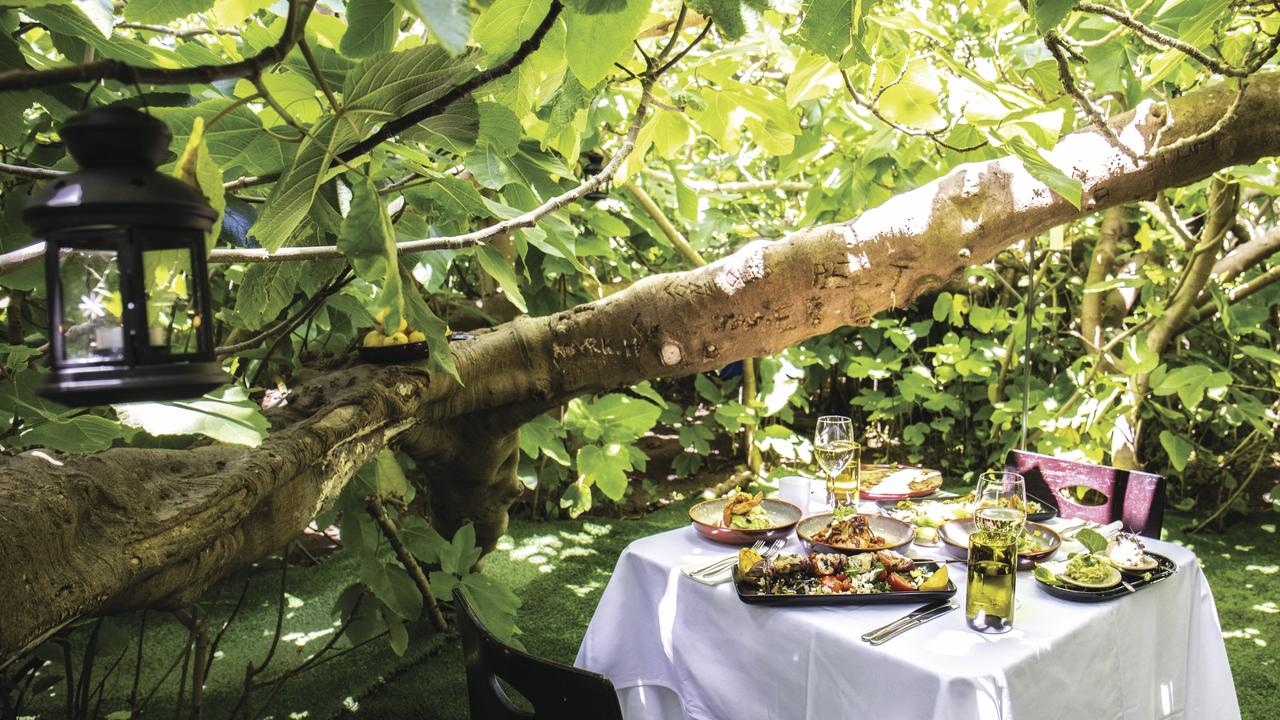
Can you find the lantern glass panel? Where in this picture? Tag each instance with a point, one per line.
(173, 318)
(92, 324)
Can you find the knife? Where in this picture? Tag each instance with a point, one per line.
(913, 622)
(923, 609)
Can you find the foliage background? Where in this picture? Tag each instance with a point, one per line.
(782, 116)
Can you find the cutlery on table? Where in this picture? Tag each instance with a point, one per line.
(940, 561)
(717, 565)
(726, 565)
(915, 619)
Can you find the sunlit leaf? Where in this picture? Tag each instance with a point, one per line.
(226, 415)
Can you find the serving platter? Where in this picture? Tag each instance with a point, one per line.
(1164, 568)
(752, 594)
(897, 534)
(955, 537)
(897, 482)
(706, 517)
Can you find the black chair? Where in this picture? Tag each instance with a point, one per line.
(557, 692)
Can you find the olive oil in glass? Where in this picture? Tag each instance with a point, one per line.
(993, 564)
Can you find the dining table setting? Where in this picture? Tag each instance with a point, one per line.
(872, 591)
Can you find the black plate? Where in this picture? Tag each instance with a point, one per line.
(1050, 511)
(749, 593)
(407, 353)
(1164, 568)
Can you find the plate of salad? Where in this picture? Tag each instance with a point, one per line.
(1101, 572)
(839, 579)
(742, 518)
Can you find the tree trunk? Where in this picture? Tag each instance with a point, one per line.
(130, 528)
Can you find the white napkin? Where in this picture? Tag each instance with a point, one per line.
(721, 577)
(1073, 545)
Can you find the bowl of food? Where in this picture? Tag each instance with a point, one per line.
(1037, 542)
(742, 519)
(853, 533)
(382, 344)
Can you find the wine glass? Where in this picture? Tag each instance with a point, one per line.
(835, 450)
(1000, 502)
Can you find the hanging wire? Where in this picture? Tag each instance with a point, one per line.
(146, 106)
(1028, 310)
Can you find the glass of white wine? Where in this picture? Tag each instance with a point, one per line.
(838, 456)
(1000, 503)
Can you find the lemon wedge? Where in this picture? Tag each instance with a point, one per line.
(936, 581)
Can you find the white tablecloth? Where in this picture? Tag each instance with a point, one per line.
(677, 648)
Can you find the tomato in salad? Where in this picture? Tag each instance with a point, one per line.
(898, 582)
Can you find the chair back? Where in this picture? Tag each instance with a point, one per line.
(1136, 498)
(556, 691)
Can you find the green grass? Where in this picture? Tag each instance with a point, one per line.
(559, 570)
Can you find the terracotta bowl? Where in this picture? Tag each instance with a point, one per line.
(896, 533)
(707, 516)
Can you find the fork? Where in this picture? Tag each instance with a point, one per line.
(729, 562)
(718, 565)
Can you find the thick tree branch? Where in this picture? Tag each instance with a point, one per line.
(1247, 255)
(1114, 226)
(1223, 201)
(133, 528)
(1244, 290)
(200, 74)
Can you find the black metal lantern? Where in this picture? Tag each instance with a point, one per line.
(594, 165)
(125, 268)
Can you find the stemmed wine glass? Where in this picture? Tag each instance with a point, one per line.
(835, 449)
(1000, 502)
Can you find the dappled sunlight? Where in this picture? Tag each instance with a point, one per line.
(1264, 569)
(41, 455)
(542, 551)
(584, 590)
(1267, 607)
(1248, 633)
(302, 638)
